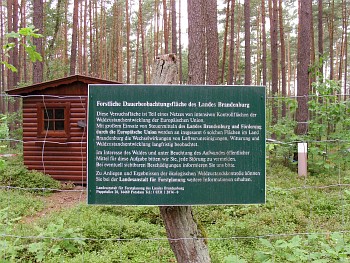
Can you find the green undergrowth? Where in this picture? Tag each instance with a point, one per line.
(303, 220)
(14, 174)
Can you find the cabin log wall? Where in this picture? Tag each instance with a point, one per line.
(62, 158)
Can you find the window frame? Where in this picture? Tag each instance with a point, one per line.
(42, 132)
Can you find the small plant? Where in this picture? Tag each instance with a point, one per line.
(55, 239)
(333, 248)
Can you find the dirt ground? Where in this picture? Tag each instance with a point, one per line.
(58, 201)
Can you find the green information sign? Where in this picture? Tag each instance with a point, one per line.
(176, 145)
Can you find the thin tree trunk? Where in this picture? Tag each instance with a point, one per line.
(180, 46)
(127, 18)
(15, 62)
(247, 59)
(92, 38)
(85, 56)
(320, 39)
(2, 58)
(65, 35)
(173, 28)
(165, 25)
(312, 51)
(223, 67)
(264, 48)
(10, 83)
(345, 49)
(331, 42)
(143, 45)
(232, 45)
(137, 51)
(50, 49)
(2, 73)
(156, 28)
(38, 14)
(80, 39)
(274, 55)
(238, 44)
(73, 58)
(283, 59)
(342, 44)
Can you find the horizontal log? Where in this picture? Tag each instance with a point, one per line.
(59, 169)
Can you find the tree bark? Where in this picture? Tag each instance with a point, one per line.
(304, 40)
(38, 67)
(2, 58)
(283, 60)
(127, 18)
(264, 49)
(196, 42)
(185, 239)
(10, 83)
(173, 28)
(73, 58)
(180, 46)
(15, 62)
(232, 45)
(212, 45)
(345, 49)
(165, 27)
(320, 39)
(247, 60)
(273, 9)
(51, 44)
(223, 67)
(143, 44)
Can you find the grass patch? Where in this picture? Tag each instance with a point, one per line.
(302, 221)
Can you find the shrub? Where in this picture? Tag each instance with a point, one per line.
(14, 174)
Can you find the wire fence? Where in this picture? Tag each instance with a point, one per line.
(329, 175)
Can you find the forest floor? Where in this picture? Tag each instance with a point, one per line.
(58, 201)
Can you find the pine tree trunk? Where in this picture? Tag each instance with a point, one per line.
(331, 42)
(212, 43)
(283, 59)
(232, 45)
(304, 39)
(143, 44)
(320, 36)
(2, 58)
(264, 49)
(73, 59)
(185, 239)
(225, 44)
(127, 41)
(38, 67)
(247, 54)
(273, 10)
(165, 27)
(173, 28)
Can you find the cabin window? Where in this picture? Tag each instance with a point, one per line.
(53, 119)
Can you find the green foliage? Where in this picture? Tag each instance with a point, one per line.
(136, 234)
(26, 34)
(328, 129)
(55, 239)
(15, 174)
(4, 134)
(314, 248)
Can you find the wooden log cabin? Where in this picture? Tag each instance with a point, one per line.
(54, 126)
